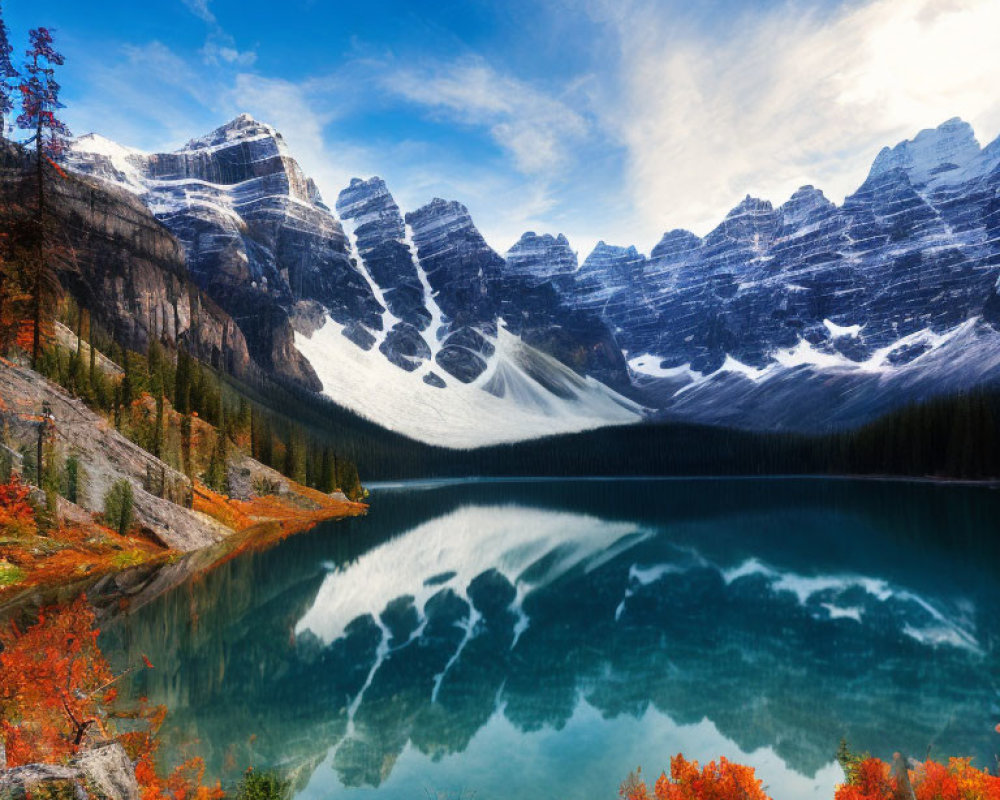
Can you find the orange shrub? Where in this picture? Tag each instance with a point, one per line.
(869, 779)
(17, 514)
(716, 781)
(55, 685)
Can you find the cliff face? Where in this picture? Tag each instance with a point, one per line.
(129, 270)
(255, 232)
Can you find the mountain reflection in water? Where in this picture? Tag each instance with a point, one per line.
(496, 639)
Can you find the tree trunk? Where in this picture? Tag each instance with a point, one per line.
(36, 341)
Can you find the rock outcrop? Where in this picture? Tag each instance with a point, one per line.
(103, 771)
(160, 492)
(130, 272)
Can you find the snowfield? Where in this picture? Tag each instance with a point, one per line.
(504, 404)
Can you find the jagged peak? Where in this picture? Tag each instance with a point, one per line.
(368, 200)
(932, 154)
(676, 242)
(805, 203)
(361, 191)
(374, 180)
(543, 255)
(603, 250)
(547, 238)
(241, 127)
(751, 204)
(440, 206)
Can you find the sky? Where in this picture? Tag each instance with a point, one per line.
(612, 120)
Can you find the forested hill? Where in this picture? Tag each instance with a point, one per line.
(950, 437)
(93, 259)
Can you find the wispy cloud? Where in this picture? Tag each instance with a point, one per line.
(216, 51)
(220, 46)
(201, 10)
(538, 129)
(788, 98)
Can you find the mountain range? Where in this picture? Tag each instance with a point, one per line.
(808, 316)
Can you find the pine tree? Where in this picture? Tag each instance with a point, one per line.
(127, 384)
(291, 456)
(7, 74)
(182, 383)
(39, 104)
(327, 480)
(158, 432)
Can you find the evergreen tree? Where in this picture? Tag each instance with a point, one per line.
(158, 424)
(39, 104)
(7, 75)
(127, 384)
(182, 383)
(119, 506)
(291, 457)
(327, 480)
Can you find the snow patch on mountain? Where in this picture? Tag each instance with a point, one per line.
(432, 333)
(388, 318)
(836, 331)
(523, 394)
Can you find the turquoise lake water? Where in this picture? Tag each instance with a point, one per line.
(539, 639)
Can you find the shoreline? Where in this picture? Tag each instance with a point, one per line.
(262, 532)
(434, 483)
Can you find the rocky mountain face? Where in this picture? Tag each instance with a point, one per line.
(255, 233)
(737, 326)
(771, 306)
(421, 293)
(131, 273)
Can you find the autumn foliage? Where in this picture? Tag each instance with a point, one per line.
(722, 780)
(17, 514)
(57, 690)
(53, 684)
(867, 779)
(873, 779)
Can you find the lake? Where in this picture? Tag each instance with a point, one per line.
(530, 639)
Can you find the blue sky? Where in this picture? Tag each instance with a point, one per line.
(603, 120)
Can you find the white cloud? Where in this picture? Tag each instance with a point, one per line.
(215, 52)
(201, 10)
(788, 98)
(219, 47)
(539, 130)
(146, 97)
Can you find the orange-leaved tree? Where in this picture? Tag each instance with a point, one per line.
(56, 685)
(874, 779)
(722, 780)
(866, 779)
(17, 514)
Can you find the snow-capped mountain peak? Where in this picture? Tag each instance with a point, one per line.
(934, 156)
(750, 325)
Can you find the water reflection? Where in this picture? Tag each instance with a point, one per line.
(564, 632)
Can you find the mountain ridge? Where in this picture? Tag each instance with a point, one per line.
(774, 295)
